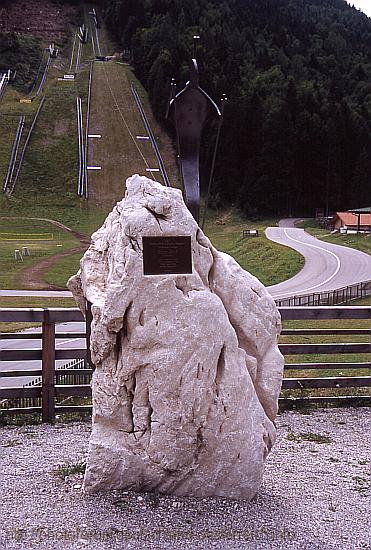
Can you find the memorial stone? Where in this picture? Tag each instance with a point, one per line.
(187, 368)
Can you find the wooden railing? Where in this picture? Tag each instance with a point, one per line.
(337, 381)
(48, 392)
(49, 396)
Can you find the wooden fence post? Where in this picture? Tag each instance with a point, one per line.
(88, 321)
(48, 368)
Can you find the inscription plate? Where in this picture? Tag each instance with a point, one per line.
(167, 255)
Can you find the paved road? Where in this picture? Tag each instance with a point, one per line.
(61, 343)
(38, 293)
(327, 266)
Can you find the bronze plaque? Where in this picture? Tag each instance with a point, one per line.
(167, 255)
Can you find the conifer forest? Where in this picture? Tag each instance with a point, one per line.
(297, 74)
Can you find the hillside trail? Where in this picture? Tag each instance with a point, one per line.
(32, 277)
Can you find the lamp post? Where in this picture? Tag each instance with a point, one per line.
(172, 94)
(222, 104)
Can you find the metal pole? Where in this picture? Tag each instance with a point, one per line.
(224, 98)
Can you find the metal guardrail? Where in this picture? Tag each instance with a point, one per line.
(55, 390)
(151, 135)
(13, 155)
(3, 84)
(38, 85)
(81, 148)
(11, 184)
(94, 26)
(86, 187)
(83, 135)
(78, 57)
(335, 297)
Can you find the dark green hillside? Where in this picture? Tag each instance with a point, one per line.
(22, 54)
(297, 74)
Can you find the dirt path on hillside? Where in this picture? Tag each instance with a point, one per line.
(31, 278)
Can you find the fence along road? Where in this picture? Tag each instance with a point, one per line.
(15, 341)
(53, 386)
(327, 266)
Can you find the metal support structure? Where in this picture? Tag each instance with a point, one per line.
(190, 111)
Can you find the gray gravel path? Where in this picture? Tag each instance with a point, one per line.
(316, 494)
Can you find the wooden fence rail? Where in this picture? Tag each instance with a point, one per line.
(53, 386)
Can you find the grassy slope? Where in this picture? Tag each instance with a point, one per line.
(48, 179)
(47, 184)
(50, 165)
(360, 242)
(42, 239)
(115, 116)
(62, 271)
(269, 262)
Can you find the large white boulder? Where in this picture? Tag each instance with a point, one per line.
(188, 370)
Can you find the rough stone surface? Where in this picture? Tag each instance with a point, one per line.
(188, 370)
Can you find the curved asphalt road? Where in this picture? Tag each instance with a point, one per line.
(327, 266)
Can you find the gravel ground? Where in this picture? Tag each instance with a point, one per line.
(315, 494)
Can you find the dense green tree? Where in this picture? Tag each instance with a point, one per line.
(22, 54)
(296, 132)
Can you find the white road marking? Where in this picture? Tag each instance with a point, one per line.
(68, 341)
(338, 265)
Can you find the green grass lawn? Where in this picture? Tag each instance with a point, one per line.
(115, 116)
(62, 271)
(42, 239)
(269, 262)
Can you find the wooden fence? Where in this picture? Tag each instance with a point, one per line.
(48, 396)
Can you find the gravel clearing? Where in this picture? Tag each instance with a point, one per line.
(316, 494)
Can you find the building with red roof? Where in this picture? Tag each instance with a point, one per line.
(357, 220)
